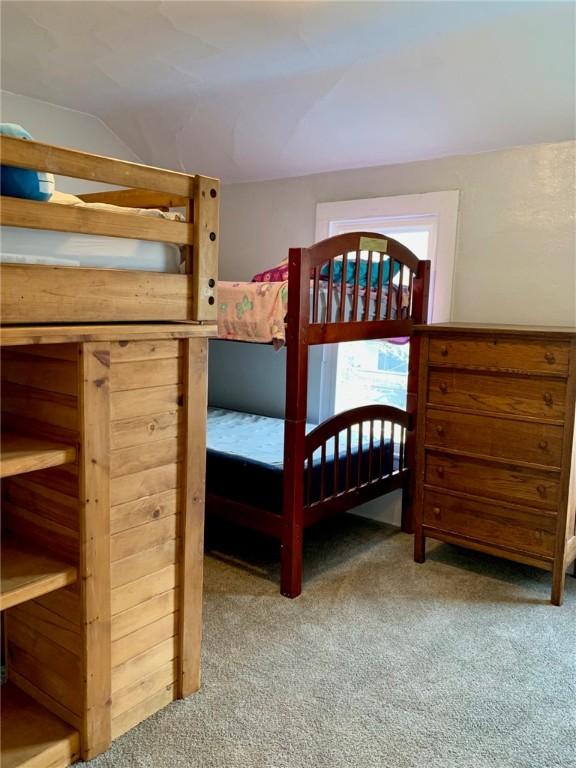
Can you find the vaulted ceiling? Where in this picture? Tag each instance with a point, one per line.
(255, 90)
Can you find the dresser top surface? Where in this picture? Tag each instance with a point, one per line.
(568, 332)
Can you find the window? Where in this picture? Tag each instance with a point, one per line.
(361, 372)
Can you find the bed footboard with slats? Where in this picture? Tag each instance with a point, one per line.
(354, 457)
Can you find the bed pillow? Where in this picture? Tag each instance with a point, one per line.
(277, 274)
(363, 276)
(22, 182)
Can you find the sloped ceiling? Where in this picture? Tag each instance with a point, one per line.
(271, 89)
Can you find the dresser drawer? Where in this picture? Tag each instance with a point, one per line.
(503, 353)
(493, 436)
(505, 482)
(517, 395)
(490, 523)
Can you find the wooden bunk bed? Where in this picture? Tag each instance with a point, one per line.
(354, 456)
(103, 446)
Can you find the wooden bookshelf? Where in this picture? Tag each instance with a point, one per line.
(32, 736)
(20, 454)
(27, 573)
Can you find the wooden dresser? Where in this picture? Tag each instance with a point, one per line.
(496, 463)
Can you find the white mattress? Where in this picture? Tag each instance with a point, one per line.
(39, 246)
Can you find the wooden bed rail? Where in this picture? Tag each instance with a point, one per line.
(149, 187)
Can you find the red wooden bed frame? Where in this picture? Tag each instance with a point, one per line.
(306, 326)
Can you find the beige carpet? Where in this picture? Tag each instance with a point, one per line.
(382, 663)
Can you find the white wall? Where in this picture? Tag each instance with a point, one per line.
(515, 256)
(67, 128)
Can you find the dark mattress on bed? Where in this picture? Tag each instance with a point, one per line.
(246, 453)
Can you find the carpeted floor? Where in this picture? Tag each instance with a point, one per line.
(382, 663)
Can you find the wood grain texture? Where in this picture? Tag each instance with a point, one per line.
(495, 454)
(203, 263)
(65, 334)
(33, 294)
(21, 453)
(195, 361)
(28, 573)
(94, 400)
(33, 737)
(84, 165)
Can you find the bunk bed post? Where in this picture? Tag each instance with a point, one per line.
(203, 212)
(295, 422)
(419, 316)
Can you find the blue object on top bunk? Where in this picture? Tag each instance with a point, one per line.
(23, 182)
(363, 277)
(245, 459)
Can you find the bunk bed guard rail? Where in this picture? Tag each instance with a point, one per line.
(33, 293)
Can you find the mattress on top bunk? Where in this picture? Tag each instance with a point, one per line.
(257, 311)
(245, 458)
(19, 245)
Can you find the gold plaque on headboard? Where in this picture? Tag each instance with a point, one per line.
(374, 244)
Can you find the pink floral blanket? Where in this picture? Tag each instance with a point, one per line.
(253, 311)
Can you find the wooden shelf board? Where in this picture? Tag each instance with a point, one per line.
(32, 737)
(28, 573)
(25, 454)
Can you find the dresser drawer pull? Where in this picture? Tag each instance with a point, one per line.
(548, 399)
(443, 350)
(440, 471)
(549, 357)
(543, 444)
(541, 491)
(440, 429)
(436, 512)
(443, 387)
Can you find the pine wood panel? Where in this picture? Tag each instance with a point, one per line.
(512, 395)
(156, 349)
(49, 408)
(145, 510)
(47, 665)
(130, 375)
(145, 483)
(28, 573)
(94, 494)
(40, 372)
(84, 165)
(192, 529)
(132, 717)
(111, 331)
(141, 640)
(144, 613)
(21, 453)
(202, 263)
(49, 624)
(32, 293)
(134, 540)
(138, 667)
(143, 589)
(142, 430)
(128, 461)
(145, 402)
(31, 736)
(161, 678)
(144, 563)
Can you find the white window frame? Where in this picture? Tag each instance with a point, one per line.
(437, 211)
